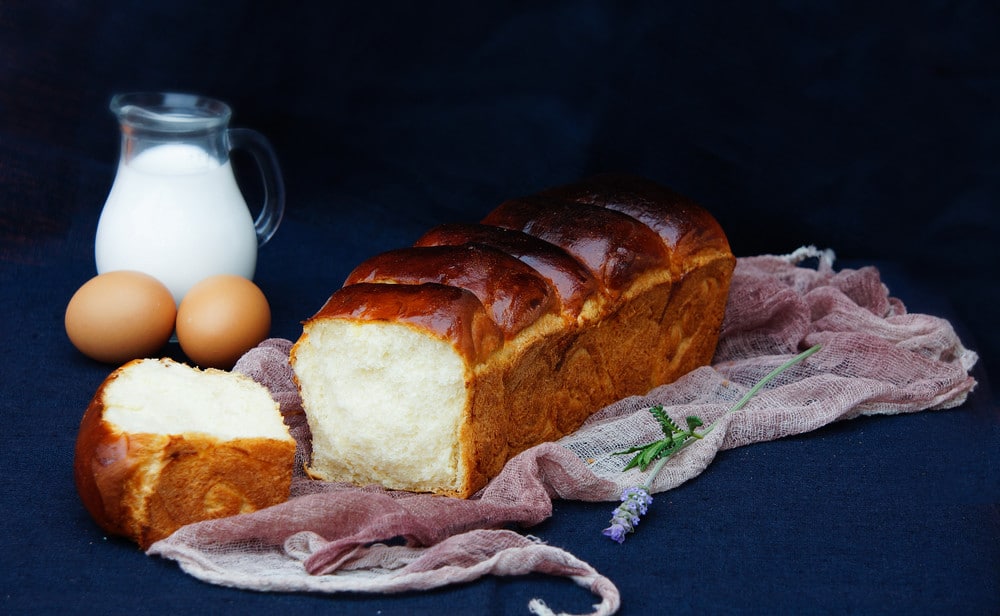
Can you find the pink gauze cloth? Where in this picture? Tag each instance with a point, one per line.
(329, 538)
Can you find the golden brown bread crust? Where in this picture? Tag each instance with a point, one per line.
(645, 310)
(512, 292)
(616, 248)
(684, 226)
(145, 486)
(573, 283)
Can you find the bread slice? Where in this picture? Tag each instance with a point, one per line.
(163, 444)
(435, 364)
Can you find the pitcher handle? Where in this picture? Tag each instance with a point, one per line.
(274, 185)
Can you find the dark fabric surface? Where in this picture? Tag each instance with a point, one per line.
(872, 130)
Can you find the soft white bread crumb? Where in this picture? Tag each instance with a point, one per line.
(157, 397)
(388, 388)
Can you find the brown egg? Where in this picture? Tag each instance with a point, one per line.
(119, 316)
(221, 318)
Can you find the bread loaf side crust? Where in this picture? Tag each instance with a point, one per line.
(549, 388)
(661, 267)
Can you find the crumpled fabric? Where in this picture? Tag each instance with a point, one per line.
(876, 358)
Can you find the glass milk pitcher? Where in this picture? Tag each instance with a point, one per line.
(175, 210)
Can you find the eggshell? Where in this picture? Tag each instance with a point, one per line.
(120, 316)
(221, 318)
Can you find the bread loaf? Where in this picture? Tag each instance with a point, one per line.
(162, 445)
(435, 364)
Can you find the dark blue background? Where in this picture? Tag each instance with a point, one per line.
(869, 128)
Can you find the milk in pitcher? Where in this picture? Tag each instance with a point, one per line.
(176, 213)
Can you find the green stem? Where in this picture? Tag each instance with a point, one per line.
(740, 404)
(656, 470)
(770, 376)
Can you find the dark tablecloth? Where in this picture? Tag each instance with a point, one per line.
(871, 130)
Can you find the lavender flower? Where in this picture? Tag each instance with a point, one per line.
(625, 517)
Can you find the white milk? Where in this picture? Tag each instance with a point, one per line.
(177, 214)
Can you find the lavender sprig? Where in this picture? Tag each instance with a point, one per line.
(625, 517)
(636, 500)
